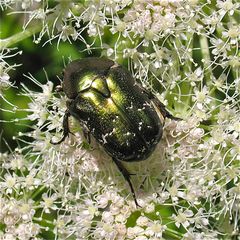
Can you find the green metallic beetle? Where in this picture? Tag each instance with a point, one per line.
(114, 109)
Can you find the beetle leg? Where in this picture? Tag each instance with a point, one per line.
(126, 175)
(160, 105)
(66, 130)
(143, 182)
(163, 110)
(87, 135)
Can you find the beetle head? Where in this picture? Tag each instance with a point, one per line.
(79, 74)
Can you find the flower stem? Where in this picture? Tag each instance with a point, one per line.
(173, 234)
(206, 57)
(18, 37)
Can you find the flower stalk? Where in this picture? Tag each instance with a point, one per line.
(18, 37)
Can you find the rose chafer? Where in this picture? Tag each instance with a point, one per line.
(121, 115)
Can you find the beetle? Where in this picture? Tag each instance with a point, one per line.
(121, 115)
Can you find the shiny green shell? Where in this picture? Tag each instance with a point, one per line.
(118, 113)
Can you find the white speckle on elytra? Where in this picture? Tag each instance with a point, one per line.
(112, 132)
(143, 149)
(141, 109)
(104, 140)
(131, 107)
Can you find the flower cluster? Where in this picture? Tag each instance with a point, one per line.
(187, 53)
(5, 68)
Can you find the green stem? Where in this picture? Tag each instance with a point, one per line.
(186, 87)
(235, 69)
(187, 69)
(38, 192)
(206, 57)
(173, 234)
(207, 66)
(43, 220)
(18, 37)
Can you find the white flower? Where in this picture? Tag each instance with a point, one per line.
(142, 221)
(226, 7)
(233, 33)
(150, 208)
(27, 210)
(121, 231)
(107, 217)
(48, 202)
(183, 218)
(155, 229)
(27, 231)
(132, 232)
(10, 182)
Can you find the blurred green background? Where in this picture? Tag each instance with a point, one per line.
(35, 58)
